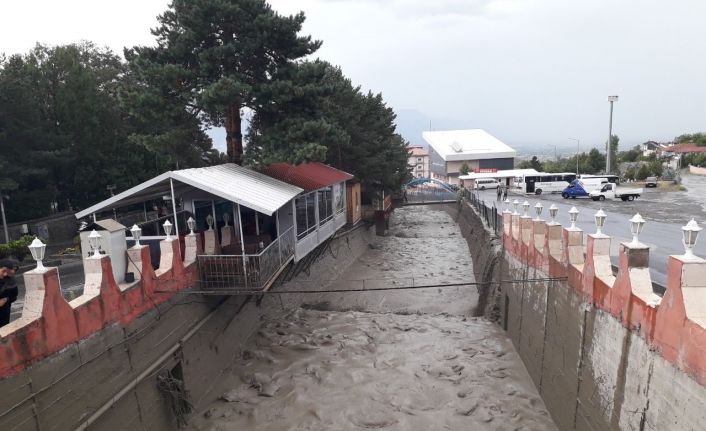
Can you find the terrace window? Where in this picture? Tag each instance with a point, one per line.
(306, 215)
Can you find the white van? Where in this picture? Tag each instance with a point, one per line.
(486, 183)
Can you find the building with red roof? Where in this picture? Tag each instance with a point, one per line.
(320, 210)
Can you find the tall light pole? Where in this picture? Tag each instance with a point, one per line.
(4, 221)
(578, 143)
(611, 99)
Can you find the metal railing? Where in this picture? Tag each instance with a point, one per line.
(488, 213)
(246, 272)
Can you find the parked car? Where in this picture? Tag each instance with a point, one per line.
(487, 183)
(611, 191)
(651, 182)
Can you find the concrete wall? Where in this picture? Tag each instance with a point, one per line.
(62, 363)
(605, 352)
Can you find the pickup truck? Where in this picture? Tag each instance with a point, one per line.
(611, 191)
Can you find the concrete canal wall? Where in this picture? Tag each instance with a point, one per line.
(604, 351)
(128, 356)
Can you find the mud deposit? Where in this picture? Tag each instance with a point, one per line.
(393, 360)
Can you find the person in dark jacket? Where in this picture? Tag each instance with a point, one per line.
(8, 288)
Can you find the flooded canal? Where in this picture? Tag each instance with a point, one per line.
(390, 360)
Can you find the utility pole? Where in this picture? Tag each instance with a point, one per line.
(4, 221)
(611, 99)
(578, 143)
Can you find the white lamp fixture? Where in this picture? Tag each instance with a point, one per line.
(573, 216)
(552, 213)
(37, 248)
(538, 210)
(507, 205)
(691, 234)
(600, 217)
(525, 208)
(191, 223)
(515, 203)
(136, 234)
(226, 218)
(209, 222)
(94, 240)
(167, 230)
(636, 225)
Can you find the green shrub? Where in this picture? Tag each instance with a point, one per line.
(17, 248)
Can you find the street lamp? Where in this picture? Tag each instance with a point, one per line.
(507, 205)
(515, 203)
(691, 234)
(538, 210)
(573, 216)
(94, 239)
(636, 225)
(611, 99)
(191, 223)
(552, 213)
(600, 217)
(525, 208)
(577, 154)
(168, 230)
(37, 248)
(136, 234)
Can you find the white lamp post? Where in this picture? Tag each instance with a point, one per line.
(167, 230)
(577, 154)
(611, 99)
(136, 234)
(552, 213)
(573, 216)
(37, 248)
(191, 223)
(538, 210)
(209, 222)
(94, 240)
(507, 206)
(600, 217)
(525, 208)
(226, 218)
(515, 203)
(636, 225)
(691, 234)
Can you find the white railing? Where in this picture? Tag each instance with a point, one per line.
(246, 272)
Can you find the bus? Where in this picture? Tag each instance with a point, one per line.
(544, 182)
(615, 179)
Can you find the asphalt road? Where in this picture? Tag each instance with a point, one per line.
(665, 212)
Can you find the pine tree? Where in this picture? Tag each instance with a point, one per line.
(215, 58)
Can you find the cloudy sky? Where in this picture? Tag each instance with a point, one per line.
(531, 72)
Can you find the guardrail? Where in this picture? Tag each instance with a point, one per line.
(487, 213)
(246, 272)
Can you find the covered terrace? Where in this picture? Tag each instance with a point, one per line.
(321, 208)
(242, 220)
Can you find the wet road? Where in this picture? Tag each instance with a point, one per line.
(395, 360)
(665, 212)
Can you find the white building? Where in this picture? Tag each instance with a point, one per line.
(481, 151)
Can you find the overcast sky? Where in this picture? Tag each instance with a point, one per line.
(528, 71)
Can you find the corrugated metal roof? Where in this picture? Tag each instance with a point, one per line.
(473, 144)
(309, 176)
(228, 181)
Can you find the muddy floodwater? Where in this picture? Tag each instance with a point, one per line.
(392, 360)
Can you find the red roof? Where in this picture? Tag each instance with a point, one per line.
(685, 148)
(418, 151)
(309, 176)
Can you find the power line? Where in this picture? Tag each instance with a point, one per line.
(361, 290)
